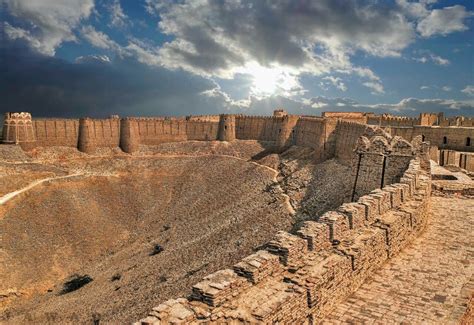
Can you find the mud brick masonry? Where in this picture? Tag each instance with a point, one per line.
(332, 135)
(296, 278)
(299, 278)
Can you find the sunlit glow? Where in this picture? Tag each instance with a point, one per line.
(271, 81)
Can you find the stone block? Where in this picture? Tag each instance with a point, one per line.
(355, 213)
(217, 288)
(317, 235)
(383, 199)
(288, 247)
(371, 208)
(258, 266)
(395, 195)
(338, 224)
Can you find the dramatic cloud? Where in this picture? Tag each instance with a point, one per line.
(49, 22)
(216, 38)
(202, 53)
(444, 21)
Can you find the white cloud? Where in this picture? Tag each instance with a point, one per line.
(446, 88)
(439, 60)
(93, 59)
(430, 57)
(117, 17)
(377, 88)
(468, 90)
(424, 87)
(51, 22)
(336, 82)
(444, 21)
(98, 39)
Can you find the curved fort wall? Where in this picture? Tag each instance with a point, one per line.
(298, 278)
(332, 135)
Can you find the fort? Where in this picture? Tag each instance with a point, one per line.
(320, 207)
(332, 135)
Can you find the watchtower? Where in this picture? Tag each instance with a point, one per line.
(226, 127)
(18, 129)
(129, 136)
(86, 141)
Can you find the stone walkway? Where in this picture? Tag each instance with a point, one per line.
(428, 282)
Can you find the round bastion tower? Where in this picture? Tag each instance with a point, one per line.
(226, 127)
(129, 135)
(18, 129)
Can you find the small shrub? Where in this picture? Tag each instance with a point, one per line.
(116, 277)
(76, 282)
(156, 249)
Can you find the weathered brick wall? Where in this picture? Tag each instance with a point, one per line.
(299, 278)
(202, 130)
(263, 128)
(347, 134)
(153, 131)
(464, 160)
(392, 120)
(356, 117)
(380, 161)
(56, 132)
(454, 138)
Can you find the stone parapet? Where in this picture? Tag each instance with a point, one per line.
(298, 279)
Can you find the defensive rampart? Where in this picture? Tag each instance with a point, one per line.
(452, 138)
(347, 134)
(56, 132)
(298, 278)
(332, 135)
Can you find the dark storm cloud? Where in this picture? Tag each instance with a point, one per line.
(47, 86)
(308, 35)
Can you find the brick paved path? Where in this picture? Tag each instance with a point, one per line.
(427, 283)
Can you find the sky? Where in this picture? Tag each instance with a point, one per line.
(95, 58)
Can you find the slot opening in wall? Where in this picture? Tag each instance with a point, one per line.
(468, 142)
(445, 140)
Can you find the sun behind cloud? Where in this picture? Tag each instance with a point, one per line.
(273, 80)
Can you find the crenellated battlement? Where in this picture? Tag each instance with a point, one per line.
(298, 278)
(332, 135)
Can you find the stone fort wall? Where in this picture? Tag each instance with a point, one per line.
(332, 135)
(298, 278)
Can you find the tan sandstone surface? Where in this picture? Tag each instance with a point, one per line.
(430, 282)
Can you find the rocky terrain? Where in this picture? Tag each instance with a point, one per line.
(139, 229)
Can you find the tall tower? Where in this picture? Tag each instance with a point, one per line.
(285, 136)
(87, 141)
(18, 129)
(226, 127)
(129, 137)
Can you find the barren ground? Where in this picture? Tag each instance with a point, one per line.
(207, 204)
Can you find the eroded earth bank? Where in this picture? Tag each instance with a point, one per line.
(132, 231)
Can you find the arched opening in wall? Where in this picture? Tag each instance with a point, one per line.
(468, 142)
(423, 137)
(445, 140)
(225, 127)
